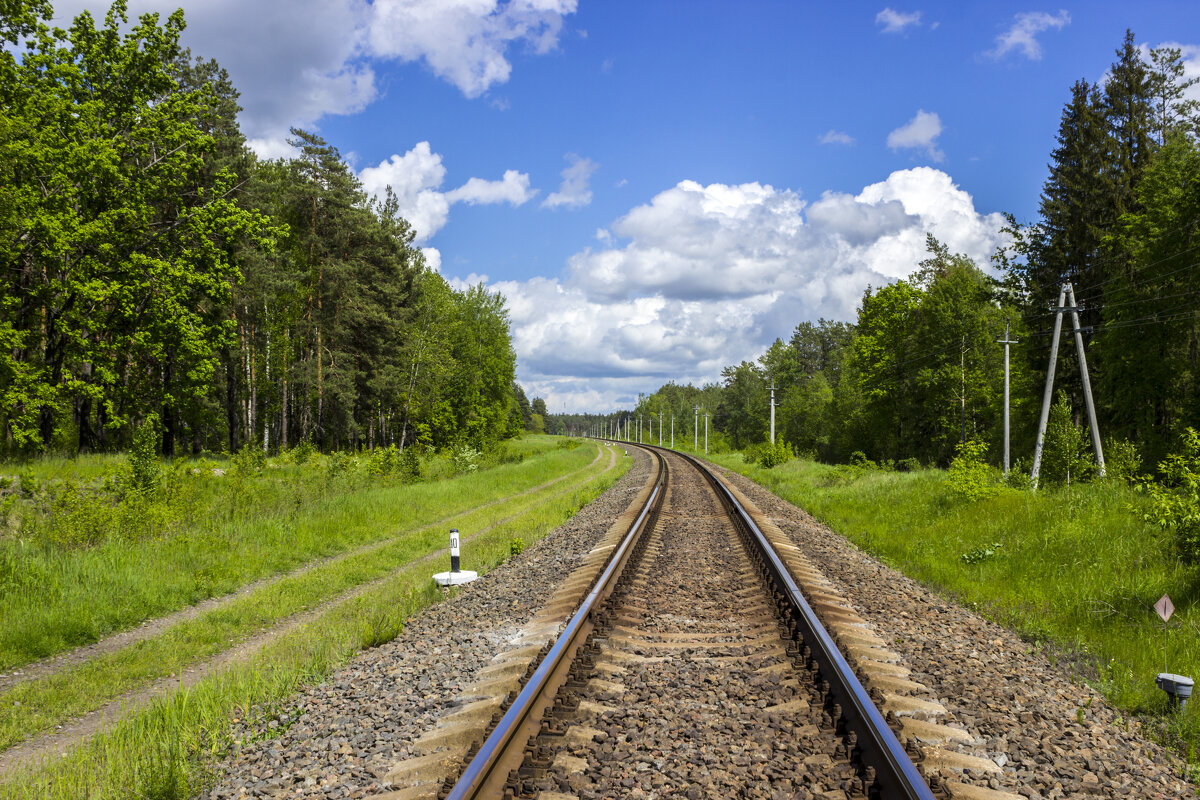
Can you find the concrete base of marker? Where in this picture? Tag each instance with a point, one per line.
(455, 578)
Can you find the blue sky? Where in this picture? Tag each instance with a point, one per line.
(662, 188)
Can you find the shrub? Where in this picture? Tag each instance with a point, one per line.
(1122, 462)
(409, 466)
(303, 452)
(859, 459)
(908, 465)
(144, 469)
(1175, 503)
(339, 464)
(465, 459)
(250, 460)
(516, 546)
(1065, 454)
(970, 477)
(773, 455)
(383, 460)
(1018, 476)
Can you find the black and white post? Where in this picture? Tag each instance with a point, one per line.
(456, 576)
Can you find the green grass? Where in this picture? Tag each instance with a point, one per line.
(167, 750)
(35, 706)
(1073, 568)
(54, 598)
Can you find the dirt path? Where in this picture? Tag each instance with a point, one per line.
(151, 628)
(68, 734)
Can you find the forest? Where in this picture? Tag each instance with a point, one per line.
(155, 271)
(921, 369)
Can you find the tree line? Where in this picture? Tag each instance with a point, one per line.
(155, 269)
(921, 368)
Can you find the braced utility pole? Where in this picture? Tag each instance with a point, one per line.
(1087, 384)
(1066, 293)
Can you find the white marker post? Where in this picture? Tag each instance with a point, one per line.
(455, 576)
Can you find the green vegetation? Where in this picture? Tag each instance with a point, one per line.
(1175, 504)
(154, 268)
(919, 372)
(80, 563)
(1075, 569)
(361, 595)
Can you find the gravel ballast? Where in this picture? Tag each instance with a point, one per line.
(1053, 737)
(344, 735)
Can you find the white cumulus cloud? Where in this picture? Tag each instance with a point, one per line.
(702, 277)
(513, 189)
(919, 133)
(575, 190)
(465, 41)
(1022, 35)
(897, 21)
(416, 178)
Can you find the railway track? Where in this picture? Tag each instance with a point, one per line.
(693, 666)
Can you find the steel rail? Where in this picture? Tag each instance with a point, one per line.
(895, 774)
(504, 749)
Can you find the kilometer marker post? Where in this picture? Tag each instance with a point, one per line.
(456, 576)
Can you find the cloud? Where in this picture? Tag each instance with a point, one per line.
(574, 192)
(836, 137)
(465, 41)
(513, 189)
(702, 277)
(1021, 36)
(433, 258)
(920, 133)
(416, 178)
(313, 62)
(319, 56)
(897, 21)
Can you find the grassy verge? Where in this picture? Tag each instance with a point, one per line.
(33, 707)
(1077, 568)
(168, 749)
(218, 534)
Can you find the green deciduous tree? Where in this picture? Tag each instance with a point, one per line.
(116, 240)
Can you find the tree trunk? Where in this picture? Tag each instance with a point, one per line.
(168, 411)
